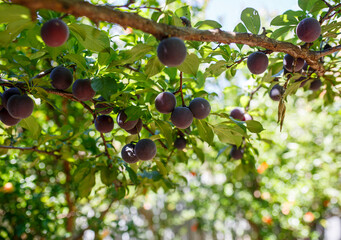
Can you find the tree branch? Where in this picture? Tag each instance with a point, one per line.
(105, 13)
(329, 51)
(34, 149)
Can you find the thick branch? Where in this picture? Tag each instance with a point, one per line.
(34, 149)
(159, 30)
(329, 51)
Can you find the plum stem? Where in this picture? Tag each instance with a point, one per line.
(180, 91)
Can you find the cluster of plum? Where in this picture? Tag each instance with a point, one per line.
(15, 106)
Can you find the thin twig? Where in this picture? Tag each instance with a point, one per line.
(106, 148)
(251, 96)
(34, 149)
(180, 91)
(327, 15)
(151, 132)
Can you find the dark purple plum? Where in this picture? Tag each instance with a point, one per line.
(315, 85)
(9, 93)
(20, 106)
(237, 113)
(8, 119)
(61, 78)
(145, 149)
(308, 30)
(182, 117)
(180, 143)
(128, 153)
(288, 62)
(137, 128)
(123, 123)
(236, 153)
(82, 89)
(102, 108)
(257, 62)
(276, 92)
(104, 123)
(165, 102)
(54, 33)
(200, 108)
(171, 51)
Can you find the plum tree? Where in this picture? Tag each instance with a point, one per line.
(137, 128)
(54, 33)
(276, 92)
(200, 108)
(180, 143)
(7, 119)
(128, 153)
(82, 89)
(308, 30)
(289, 61)
(145, 149)
(123, 123)
(102, 108)
(237, 113)
(61, 78)
(257, 62)
(9, 93)
(104, 123)
(165, 102)
(171, 51)
(315, 85)
(20, 106)
(182, 117)
(236, 152)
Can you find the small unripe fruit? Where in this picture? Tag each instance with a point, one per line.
(315, 85)
(54, 33)
(104, 123)
(200, 108)
(171, 51)
(20, 106)
(145, 149)
(308, 30)
(9, 93)
(182, 117)
(123, 123)
(82, 89)
(236, 153)
(257, 62)
(7, 119)
(165, 102)
(288, 62)
(276, 92)
(180, 143)
(237, 113)
(137, 128)
(61, 78)
(128, 153)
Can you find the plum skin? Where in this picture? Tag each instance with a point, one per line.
(20, 106)
(200, 108)
(145, 149)
(257, 62)
(236, 153)
(9, 93)
(82, 89)
(137, 128)
(288, 62)
(237, 113)
(165, 102)
(171, 51)
(123, 123)
(308, 30)
(104, 123)
(7, 119)
(54, 33)
(61, 78)
(276, 92)
(315, 85)
(182, 117)
(128, 153)
(180, 143)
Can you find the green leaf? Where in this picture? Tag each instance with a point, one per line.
(217, 68)
(106, 86)
(307, 5)
(169, 1)
(284, 20)
(132, 175)
(153, 175)
(161, 167)
(13, 13)
(108, 175)
(134, 54)
(207, 24)
(78, 59)
(251, 20)
(153, 67)
(242, 29)
(31, 125)
(205, 131)
(104, 58)
(13, 29)
(183, 12)
(190, 65)
(228, 134)
(283, 31)
(254, 126)
(90, 37)
(86, 184)
(166, 130)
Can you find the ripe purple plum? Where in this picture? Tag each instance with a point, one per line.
(182, 117)
(9, 93)
(257, 62)
(180, 143)
(61, 78)
(308, 30)
(123, 123)
(128, 153)
(276, 92)
(237, 113)
(7, 119)
(171, 51)
(236, 152)
(289, 61)
(20, 106)
(145, 149)
(315, 85)
(200, 108)
(137, 128)
(82, 89)
(165, 102)
(54, 33)
(104, 123)
(102, 108)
